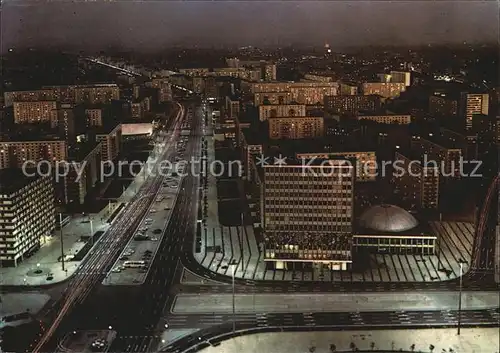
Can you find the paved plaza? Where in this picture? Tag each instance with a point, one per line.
(442, 340)
(456, 241)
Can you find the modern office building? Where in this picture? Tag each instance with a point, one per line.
(267, 111)
(298, 127)
(352, 104)
(307, 214)
(384, 89)
(472, 104)
(416, 183)
(33, 111)
(27, 214)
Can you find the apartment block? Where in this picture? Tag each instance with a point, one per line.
(387, 119)
(110, 139)
(273, 98)
(352, 104)
(474, 104)
(442, 105)
(14, 154)
(33, 111)
(29, 96)
(267, 111)
(416, 182)
(27, 215)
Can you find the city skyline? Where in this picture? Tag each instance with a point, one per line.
(151, 25)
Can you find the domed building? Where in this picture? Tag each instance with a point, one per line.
(391, 229)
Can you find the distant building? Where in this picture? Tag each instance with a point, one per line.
(416, 182)
(386, 90)
(29, 96)
(302, 127)
(86, 159)
(307, 214)
(33, 111)
(27, 214)
(269, 71)
(232, 106)
(448, 159)
(474, 104)
(365, 162)
(13, 154)
(348, 89)
(401, 77)
(273, 98)
(443, 106)
(111, 141)
(267, 111)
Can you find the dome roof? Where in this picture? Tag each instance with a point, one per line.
(387, 218)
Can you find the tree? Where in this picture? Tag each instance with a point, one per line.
(333, 348)
(412, 347)
(431, 348)
(352, 346)
(372, 346)
(312, 349)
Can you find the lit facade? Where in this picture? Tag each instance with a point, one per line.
(384, 89)
(296, 127)
(366, 162)
(273, 98)
(417, 183)
(94, 116)
(29, 96)
(348, 89)
(267, 111)
(443, 106)
(27, 215)
(401, 77)
(34, 111)
(307, 214)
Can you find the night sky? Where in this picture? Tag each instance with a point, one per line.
(149, 25)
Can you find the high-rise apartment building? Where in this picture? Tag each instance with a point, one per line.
(352, 104)
(387, 118)
(111, 141)
(269, 71)
(94, 116)
(14, 154)
(474, 103)
(307, 214)
(294, 128)
(27, 214)
(33, 111)
(267, 111)
(416, 183)
(401, 77)
(443, 105)
(29, 96)
(274, 98)
(384, 89)
(448, 160)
